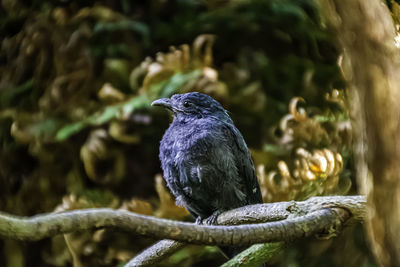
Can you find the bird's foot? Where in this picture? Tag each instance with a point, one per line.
(199, 220)
(213, 218)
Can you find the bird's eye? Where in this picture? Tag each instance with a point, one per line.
(186, 104)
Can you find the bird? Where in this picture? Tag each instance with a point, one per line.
(205, 161)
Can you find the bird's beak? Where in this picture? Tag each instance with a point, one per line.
(163, 102)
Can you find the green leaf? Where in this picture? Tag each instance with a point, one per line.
(163, 89)
(103, 116)
(172, 85)
(69, 130)
(9, 94)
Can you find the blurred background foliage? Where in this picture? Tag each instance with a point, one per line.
(77, 130)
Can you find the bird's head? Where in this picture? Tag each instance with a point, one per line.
(192, 105)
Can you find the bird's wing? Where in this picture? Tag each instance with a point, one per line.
(212, 170)
(220, 168)
(244, 164)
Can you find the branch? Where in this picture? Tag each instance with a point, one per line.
(155, 253)
(256, 255)
(303, 219)
(258, 213)
(277, 211)
(44, 226)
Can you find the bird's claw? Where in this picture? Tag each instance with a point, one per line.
(212, 220)
(199, 220)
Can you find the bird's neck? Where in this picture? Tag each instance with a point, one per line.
(184, 119)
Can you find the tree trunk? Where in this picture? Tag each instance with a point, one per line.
(371, 67)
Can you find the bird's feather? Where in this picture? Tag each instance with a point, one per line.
(205, 159)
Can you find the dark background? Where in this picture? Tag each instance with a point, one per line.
(77, 130)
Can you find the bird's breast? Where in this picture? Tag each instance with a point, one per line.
(185, 143)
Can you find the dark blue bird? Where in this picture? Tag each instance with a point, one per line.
(205, 160)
